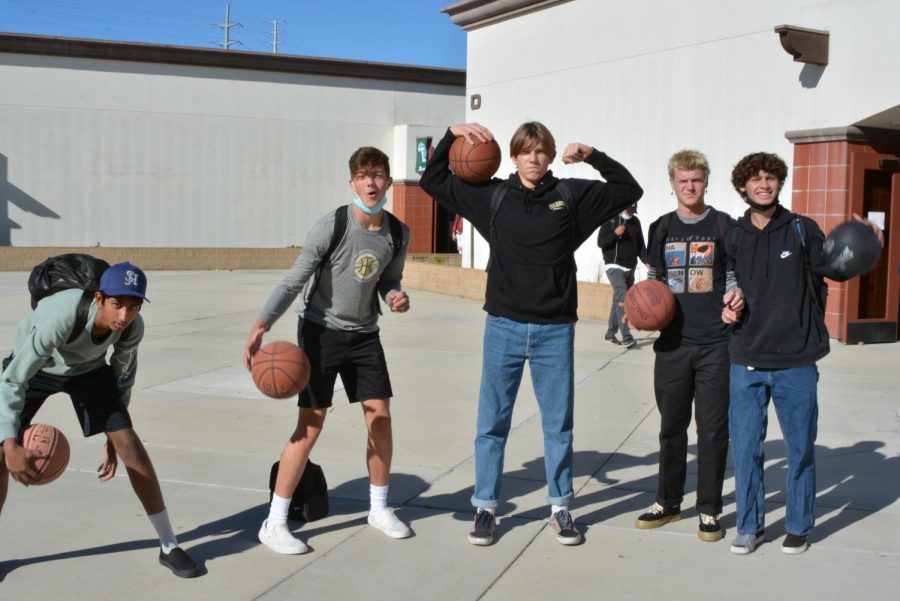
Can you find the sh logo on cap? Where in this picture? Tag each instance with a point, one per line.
(124, 279)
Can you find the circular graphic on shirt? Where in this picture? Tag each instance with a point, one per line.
(700, 279)
(365, 265)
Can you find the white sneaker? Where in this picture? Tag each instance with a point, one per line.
(280, 539)
(387, 522)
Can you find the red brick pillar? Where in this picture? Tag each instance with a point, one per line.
(415, 208)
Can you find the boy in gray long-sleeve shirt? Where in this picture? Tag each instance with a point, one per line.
(338, 330)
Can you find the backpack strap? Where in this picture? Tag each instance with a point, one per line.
(810, 282)
(497, 197)
(340, 227)
(396, 233)
(81, 315)
(396, 246)
(659, 234)
(721, 225)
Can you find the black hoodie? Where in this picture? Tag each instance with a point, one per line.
(781, 326)
(532, 270)
(624, 250)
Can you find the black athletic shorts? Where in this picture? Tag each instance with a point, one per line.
(95, 398)
(356, 356)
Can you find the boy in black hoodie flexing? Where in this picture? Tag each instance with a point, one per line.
(774, 349)
(531, 298)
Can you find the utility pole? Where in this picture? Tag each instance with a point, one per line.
(275, 37)
(227, 27)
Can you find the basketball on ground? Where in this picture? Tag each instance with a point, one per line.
(852, 249)
(474, 163)
(280, 369)
(51, 451)
(649, 305)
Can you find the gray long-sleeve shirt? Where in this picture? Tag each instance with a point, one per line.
(362, 263)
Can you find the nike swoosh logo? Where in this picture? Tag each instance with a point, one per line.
(785, 254)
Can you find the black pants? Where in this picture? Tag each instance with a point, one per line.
(683, 375)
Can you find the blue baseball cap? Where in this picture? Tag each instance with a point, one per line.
(124, 279)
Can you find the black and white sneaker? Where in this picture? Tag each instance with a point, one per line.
(794, 544)
(612, 340)
(180, 563)
(564, 526)
(483, 528)
(629, 342)
(657, 516)
(710, 530)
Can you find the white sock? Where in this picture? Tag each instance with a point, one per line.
(555, 508)
(278, 511)
(377, 497)
(163, 527)
(490, 511)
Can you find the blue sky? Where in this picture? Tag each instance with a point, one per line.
(395, 31)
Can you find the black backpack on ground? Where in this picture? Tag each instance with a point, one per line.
(63, 272)
(310, 499)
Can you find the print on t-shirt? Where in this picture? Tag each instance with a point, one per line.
(675, 254)
(676, 280)
(702, 253)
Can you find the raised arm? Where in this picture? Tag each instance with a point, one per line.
(470, 201)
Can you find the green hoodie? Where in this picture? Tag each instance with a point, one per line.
(41, 345)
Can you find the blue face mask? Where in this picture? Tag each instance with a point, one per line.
(362, 207)
(625, 216)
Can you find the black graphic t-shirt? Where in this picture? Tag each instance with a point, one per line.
(693, 265)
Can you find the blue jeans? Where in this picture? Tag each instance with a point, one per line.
(549, 349)
(793, 391)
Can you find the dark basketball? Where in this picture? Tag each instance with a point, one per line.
(51, 449)
(280, 369)
(852, 249)
(649, 305)
(474, 164)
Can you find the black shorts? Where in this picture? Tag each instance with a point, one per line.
(356, 356)
(95, 398)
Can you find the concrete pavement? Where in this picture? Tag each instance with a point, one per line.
(213, 437)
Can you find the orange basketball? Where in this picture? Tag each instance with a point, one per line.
(474, 163)
(51, 449)
(280, 369)
(649, 305)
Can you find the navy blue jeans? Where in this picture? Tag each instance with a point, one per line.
(549, 350)
(793, 391)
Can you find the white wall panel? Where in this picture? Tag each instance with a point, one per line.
(133, 154)
(641, 79)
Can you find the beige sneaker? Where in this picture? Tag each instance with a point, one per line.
(280, 540)
(387, 522)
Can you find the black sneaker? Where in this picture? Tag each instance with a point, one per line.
(482, 532)
(612, 340)
(180, 563)
(710, 530)
(794, 544)
(657, 516)
(629, 342)
(564, 526)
